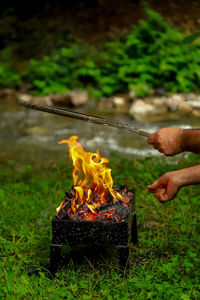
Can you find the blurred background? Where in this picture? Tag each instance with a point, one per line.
(120, 59)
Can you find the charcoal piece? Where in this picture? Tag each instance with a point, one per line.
(119, 202)
(102, 218)
(126, 199)
(96, 198)
(109, 197)
(116, 218)
(124, 191)
(129, 194)
(71, 194)
(119, 188)
(122, 211)
(75, 216)
(63, 212)
(81, 212)
(104, 208)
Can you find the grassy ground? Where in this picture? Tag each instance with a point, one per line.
(165, 266)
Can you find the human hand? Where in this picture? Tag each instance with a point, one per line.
(166, 187)
(167, 141)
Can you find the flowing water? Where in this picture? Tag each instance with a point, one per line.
(31, 137)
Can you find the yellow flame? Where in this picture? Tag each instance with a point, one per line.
(90, 175)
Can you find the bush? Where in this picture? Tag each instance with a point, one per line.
(152, 55)
(9, 77)
(55, 73)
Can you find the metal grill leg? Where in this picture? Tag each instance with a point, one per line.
(134, 234)
(56, 259)
(123, 255)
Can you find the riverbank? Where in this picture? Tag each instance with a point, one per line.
(158, 107)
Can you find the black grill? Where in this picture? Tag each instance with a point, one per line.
(93, 233)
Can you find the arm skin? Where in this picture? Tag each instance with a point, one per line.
(172, 141)
(168, 185)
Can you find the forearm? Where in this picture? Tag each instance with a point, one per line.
(191, 140)
(168, 185)
(188, 176)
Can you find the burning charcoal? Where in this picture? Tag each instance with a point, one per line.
(116, 218)
(109, 197)
(119, 188)
(99, 218)
(63, 212)
(81, 213)
(96, 198)
(119, 202)
(122, 211)
(71, 194)
(83, 210)
(104, 208)
(124, 192)
(75, 217)
(126, 200)
(130, 194)
(70, 213)
(102, 217)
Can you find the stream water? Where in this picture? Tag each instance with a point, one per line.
(31, 137)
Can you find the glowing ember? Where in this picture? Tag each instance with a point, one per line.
(93, 183)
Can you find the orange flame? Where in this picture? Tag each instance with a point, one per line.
(91, 177)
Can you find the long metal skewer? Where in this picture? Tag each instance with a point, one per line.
(84, 117)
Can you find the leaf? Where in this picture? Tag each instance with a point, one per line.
(185, 297)
(191, 38)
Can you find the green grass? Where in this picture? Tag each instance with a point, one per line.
(165, 266)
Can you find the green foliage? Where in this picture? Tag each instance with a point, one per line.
(55, 73)
(151, 55)
(8, 76)
(165, 266)
(192, 37)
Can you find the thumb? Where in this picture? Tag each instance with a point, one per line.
(153, 186)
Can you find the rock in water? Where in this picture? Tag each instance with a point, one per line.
(78, 98)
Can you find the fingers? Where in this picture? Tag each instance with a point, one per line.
(160, 194)
(155, 146)
(172, 190)
(163, 195)
(167, 141)
(165, 188)
(151, 139)
(153, 186)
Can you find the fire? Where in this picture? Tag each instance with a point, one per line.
(92, 178)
